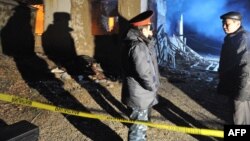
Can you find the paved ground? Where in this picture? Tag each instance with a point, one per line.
(185, 100)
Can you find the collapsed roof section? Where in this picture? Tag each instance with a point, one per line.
(173, 52)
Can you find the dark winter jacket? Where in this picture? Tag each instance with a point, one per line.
(234, 69)
(140, 68)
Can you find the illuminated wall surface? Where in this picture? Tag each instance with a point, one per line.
(39, 22)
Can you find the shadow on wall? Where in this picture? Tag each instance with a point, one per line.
(59, 46)
(17, 36)
(108, 49)
(105, 24)
(57, 41)
(18, 42)
(107, 53)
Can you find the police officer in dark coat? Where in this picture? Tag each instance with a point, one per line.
(234, 69)
(141, 77)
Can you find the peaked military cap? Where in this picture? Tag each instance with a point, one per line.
(231, 15)
(142, 19)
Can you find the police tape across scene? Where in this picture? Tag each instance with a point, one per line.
(188, 130)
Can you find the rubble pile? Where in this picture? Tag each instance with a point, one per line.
(173, 52)
(99, 76)
(209, 78)
(90, 70)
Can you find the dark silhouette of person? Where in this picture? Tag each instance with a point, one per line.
(18, 42)
(57, 41)
(17, 37)
(234, 67)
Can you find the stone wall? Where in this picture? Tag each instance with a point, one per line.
(52, 6)
(129, 8)
(81, 23)
(6, 11)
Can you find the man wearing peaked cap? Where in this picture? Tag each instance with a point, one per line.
(234, 68)
(141, 76)
(231, 15)
(142, 19)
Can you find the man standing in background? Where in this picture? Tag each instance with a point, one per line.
(234, 69)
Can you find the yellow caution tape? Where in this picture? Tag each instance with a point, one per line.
(188, 130)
